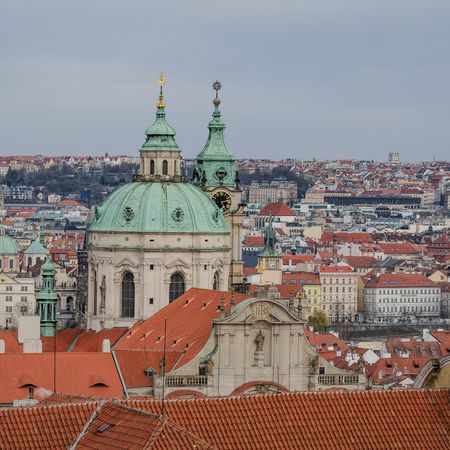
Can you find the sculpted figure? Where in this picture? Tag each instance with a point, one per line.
(259, 341)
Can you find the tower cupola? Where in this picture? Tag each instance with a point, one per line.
(160, 155)
(47, 299)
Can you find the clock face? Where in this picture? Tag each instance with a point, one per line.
(222, 200)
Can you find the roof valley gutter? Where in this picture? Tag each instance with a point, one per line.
(125, 390)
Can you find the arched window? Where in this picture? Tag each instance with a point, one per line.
(69, 303)
(165, 167)
(152, 167)
(216, 282)
(176, 287)
(11, 264)
(128, 295)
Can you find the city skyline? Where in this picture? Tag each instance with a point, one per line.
(73, 84)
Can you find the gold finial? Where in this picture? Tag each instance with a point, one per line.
(161, 81)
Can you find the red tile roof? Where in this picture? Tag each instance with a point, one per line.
(336, 269)
(276, 209)
(297, 259)
(86, 374)
(285, 290)
(117, 426)
(413, 419)
(400, 280)
(300, 278)
(189, 324)
(253, 241)
(91, 341)
(361, 262)
(405, 248)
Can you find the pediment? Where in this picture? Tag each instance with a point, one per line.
(126, 262)
(177, 263)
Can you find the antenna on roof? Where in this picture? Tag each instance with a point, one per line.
(164, 368)
(54, 363)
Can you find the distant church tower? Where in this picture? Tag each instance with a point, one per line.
(47, 299)
(216, 174)
(269, 260)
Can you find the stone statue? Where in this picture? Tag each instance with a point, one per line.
(209, 367)
(259, 341)
(103, 293)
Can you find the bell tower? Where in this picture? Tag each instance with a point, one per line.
(216, 174)
(47, 299)
(269, 260)
(160, 156)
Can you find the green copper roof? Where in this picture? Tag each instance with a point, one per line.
(160, 135)
(159, 207)
(8, 245)
(47, 299)
(216, 165)
(269, 241)
(215, 148)
(35, 248)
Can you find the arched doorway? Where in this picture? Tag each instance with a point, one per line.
(216, 282)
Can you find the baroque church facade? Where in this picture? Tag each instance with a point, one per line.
(159, 235)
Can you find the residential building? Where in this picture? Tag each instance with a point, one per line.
(339, 289)
(278, 190)
(17, 297)
(394, 297)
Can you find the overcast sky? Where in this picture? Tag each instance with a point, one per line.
(318, 78)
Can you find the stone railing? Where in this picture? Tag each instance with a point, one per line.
(186, 381)
(334, 380)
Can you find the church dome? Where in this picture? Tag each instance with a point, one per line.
(158, 207)
(8, 245)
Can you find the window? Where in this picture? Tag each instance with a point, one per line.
(30, 261)
(9, 298)
(216, 282)
(23, 298)
(152, 267)
(150, 301)
(8, 288)
(152, 167)
(128, 295)
(176, 287)
(24, 288)
(165, 167)
(69, 303)
(11, 264)
(8, 308)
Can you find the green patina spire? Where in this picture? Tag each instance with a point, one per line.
(270, 241)
(160, 135)
(216, 164)
(47, 299)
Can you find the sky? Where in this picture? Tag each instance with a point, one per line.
(324, 79)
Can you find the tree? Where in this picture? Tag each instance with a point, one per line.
(318, 320)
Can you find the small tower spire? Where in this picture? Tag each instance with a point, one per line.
(161, 81)
(47, 299)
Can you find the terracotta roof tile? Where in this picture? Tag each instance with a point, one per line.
(414, 419)
(276, 209)
(86, 374)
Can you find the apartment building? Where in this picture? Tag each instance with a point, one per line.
(339, 289)
(394, 297)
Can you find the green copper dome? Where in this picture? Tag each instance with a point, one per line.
(8, 245)
(158, 207)
(35, 248)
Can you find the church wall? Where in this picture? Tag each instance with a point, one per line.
(196, 257)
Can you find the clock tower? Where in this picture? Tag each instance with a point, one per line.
(216, 174)
(269, 260)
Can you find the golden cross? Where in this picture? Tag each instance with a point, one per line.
(161, 80)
